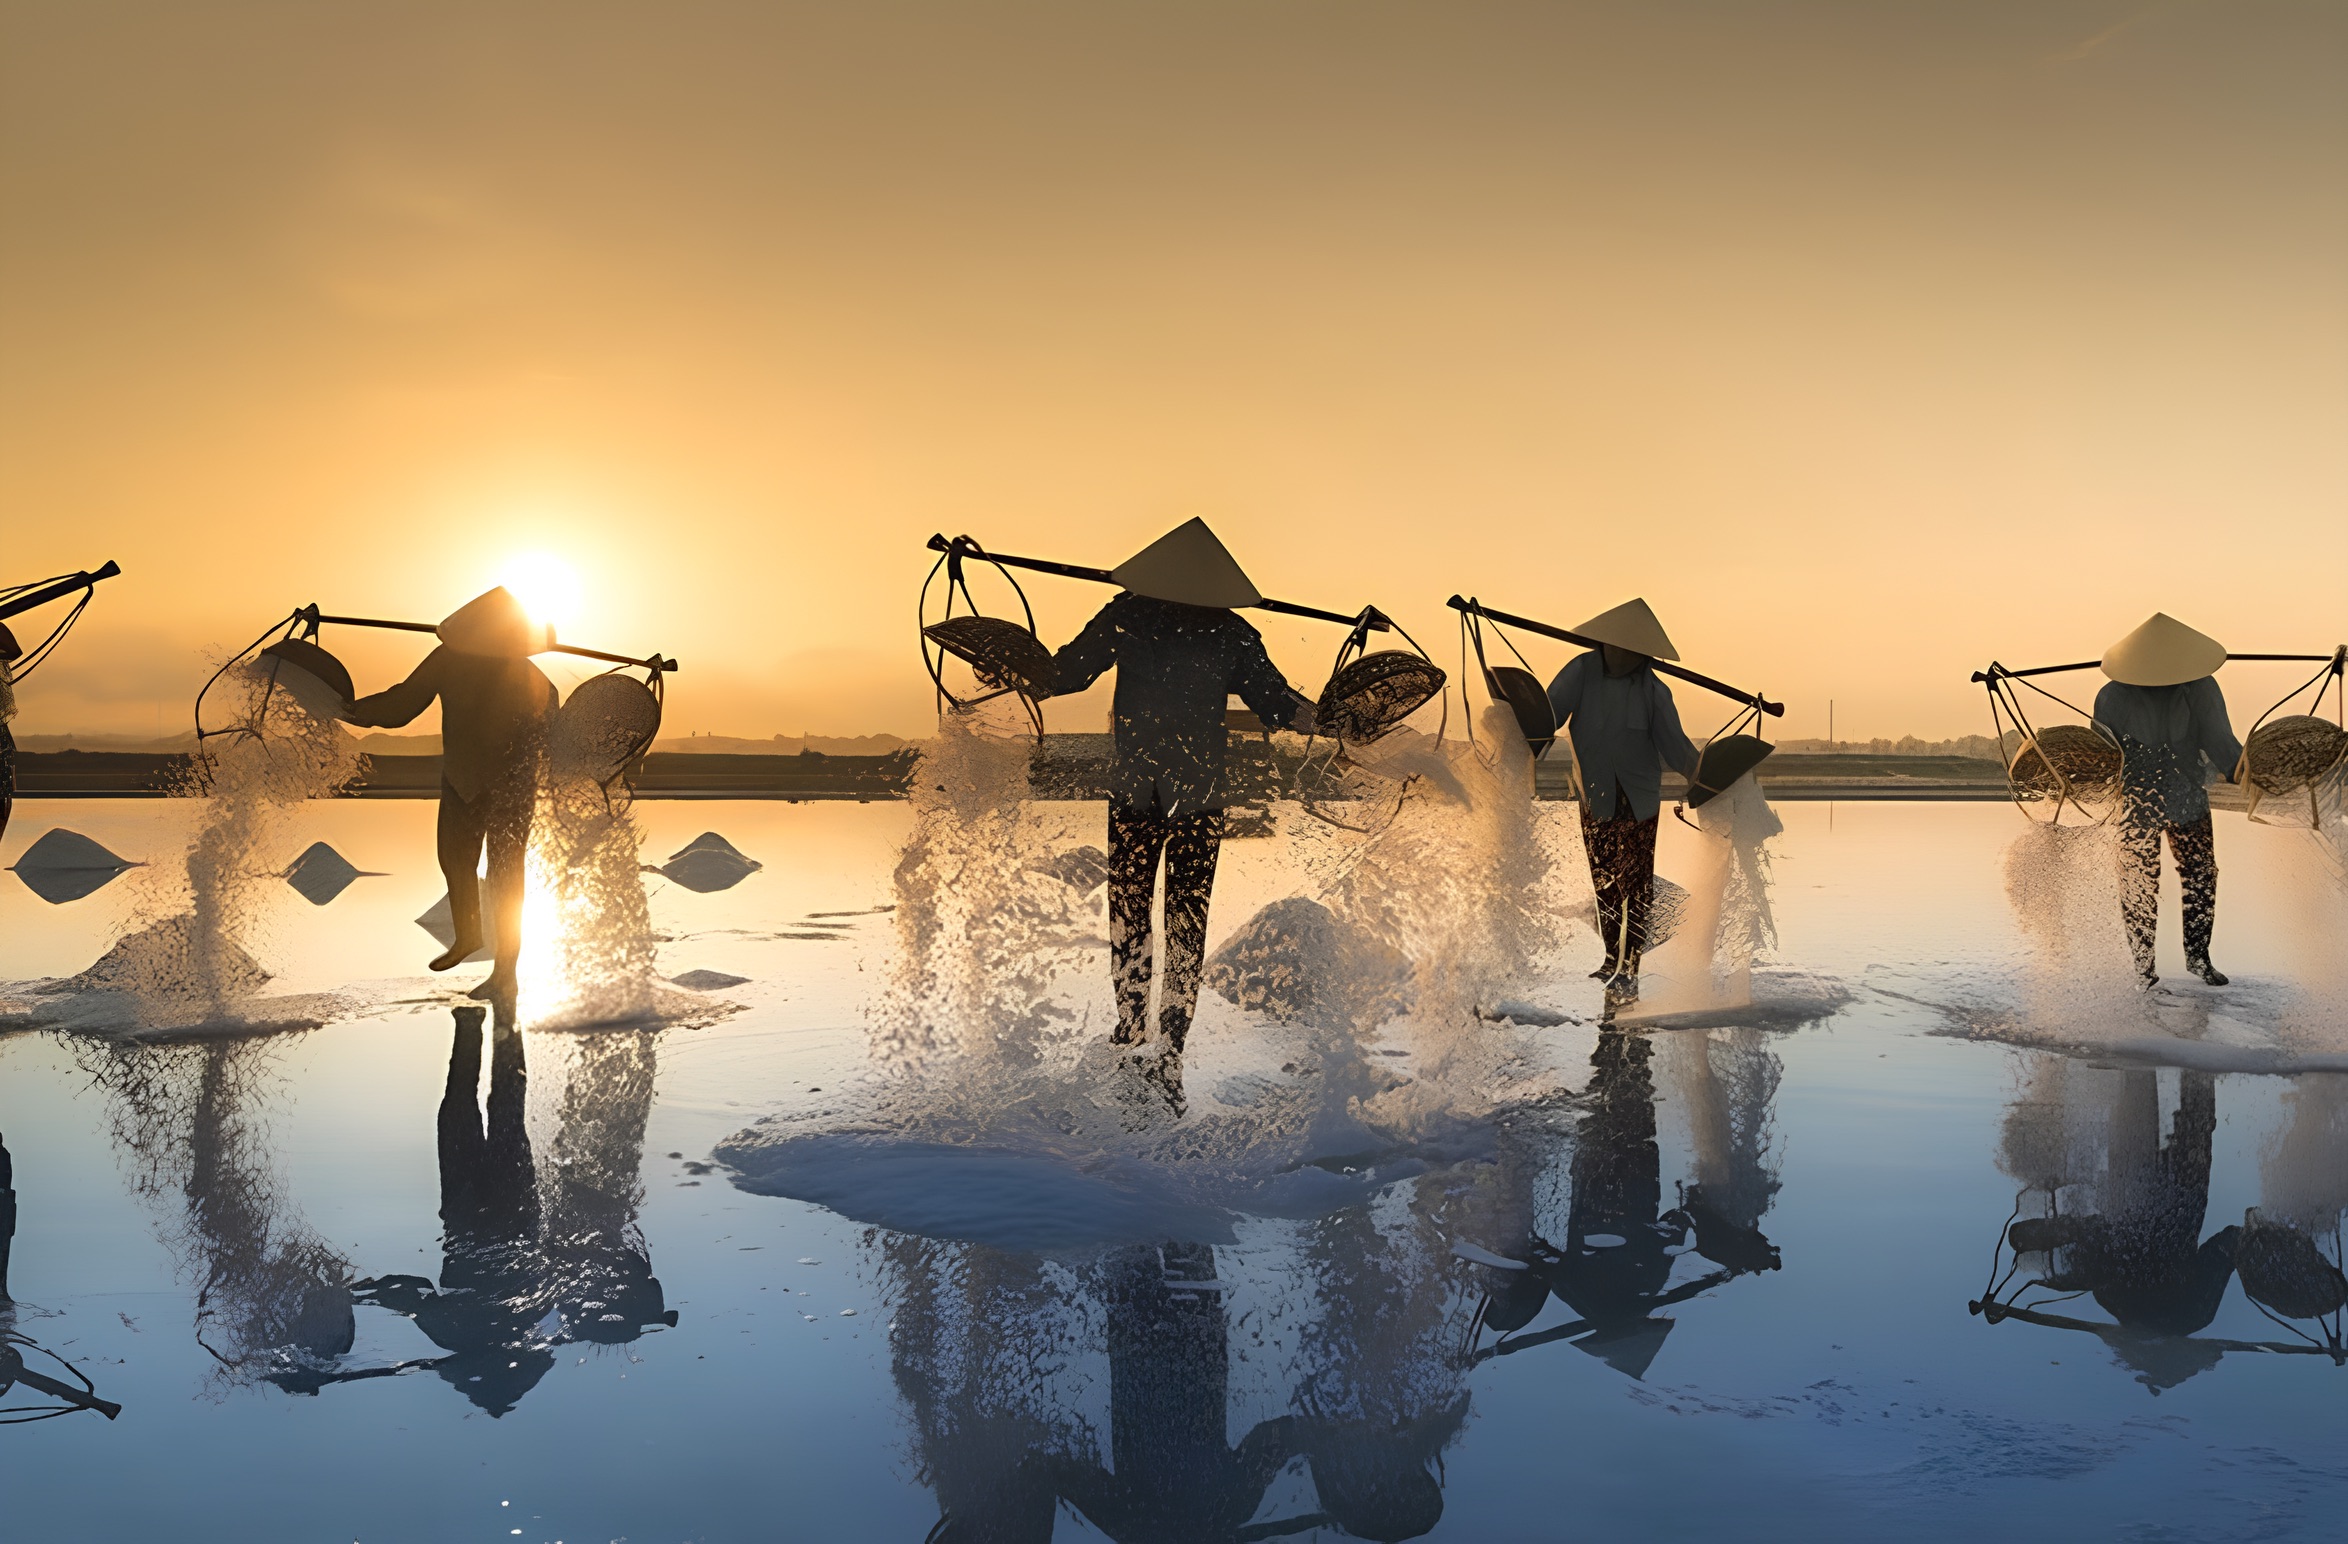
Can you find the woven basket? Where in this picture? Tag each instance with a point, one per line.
(1003, 654)
(606, 722)
(2066, 758)
(1374, 693)
(2286, 754)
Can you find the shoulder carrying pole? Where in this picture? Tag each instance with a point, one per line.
(1661, 667)
(310, 617)
(1370, 617)
(1997, 672)
(57, 590)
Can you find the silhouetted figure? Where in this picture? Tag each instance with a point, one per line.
(495, 1287)
(10, 653)
(494, 705)
(2141, 1252)
(1180, 654)
(1178, 1479)
(1615, 1267)
(516, 1282)
(1383, 1389)
(7, 1215)
(2164, 706)
(1625, 729)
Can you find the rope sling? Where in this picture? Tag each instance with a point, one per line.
(2080, 765)
(603, 730)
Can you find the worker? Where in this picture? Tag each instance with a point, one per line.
(2163, 705)
(1180, 653)
(1625, 729)
(494, 705)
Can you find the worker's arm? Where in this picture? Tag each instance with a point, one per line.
(1670, 739)
(1088, 656)
(399, 706)
(1565, 689)
(1263, 688)
(2211, 730)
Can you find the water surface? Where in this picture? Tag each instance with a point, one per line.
(341, 1294)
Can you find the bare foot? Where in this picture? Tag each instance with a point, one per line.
(456, 954)
(499, 988)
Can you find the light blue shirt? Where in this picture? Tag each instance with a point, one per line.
(2174, 741)
(1625, 729)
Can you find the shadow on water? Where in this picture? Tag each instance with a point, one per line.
(2113, 1212)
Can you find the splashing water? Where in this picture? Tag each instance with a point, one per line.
(1726, 923)
(191, 960)
(1000, 1118)
(2314, 877)
(984, 931)
(588, 952)
(2063, 884)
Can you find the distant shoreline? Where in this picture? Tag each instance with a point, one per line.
(1072, 768)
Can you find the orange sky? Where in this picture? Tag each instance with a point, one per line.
(1866, 340)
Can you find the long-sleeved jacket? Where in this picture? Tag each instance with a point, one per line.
(2173, 740)
(492, 711)
(1625, 731)
(1177, 669)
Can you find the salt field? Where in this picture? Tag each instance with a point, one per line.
(799, 1258)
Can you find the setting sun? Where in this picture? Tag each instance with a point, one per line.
(546, 585)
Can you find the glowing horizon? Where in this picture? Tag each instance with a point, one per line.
(1867, 344)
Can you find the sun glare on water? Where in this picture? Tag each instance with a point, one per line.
(546, 585)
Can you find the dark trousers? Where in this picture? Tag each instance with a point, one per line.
(500, 821)
(1622, 871)
(1189, 844)
(7, 776)
(2194, 846)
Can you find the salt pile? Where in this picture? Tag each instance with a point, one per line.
(320, 874)
(64, 865)
(707, 864)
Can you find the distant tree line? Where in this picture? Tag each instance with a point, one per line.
(1979, 747)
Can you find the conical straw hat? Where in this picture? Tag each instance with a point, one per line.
(1631, 626)
(1189, 565)
(2163, 652)
(495, 624)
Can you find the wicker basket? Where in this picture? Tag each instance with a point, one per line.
(1003, 654)
(2066, 759)
(1374, 693)
(2286, 754)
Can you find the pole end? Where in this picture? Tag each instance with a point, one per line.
(107, 570)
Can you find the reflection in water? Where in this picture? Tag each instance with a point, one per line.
(33, 1393)
(1621, 1253)
(534, 1256)
(531, 1259)
(2113, 1208)
(998, 1357)
(1220, 1409)
(271, 1297)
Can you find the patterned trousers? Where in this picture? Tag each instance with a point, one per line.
(1622, 871)
(2194, 846)
(1189, 844)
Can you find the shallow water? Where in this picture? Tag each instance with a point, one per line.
(1027, 1297)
